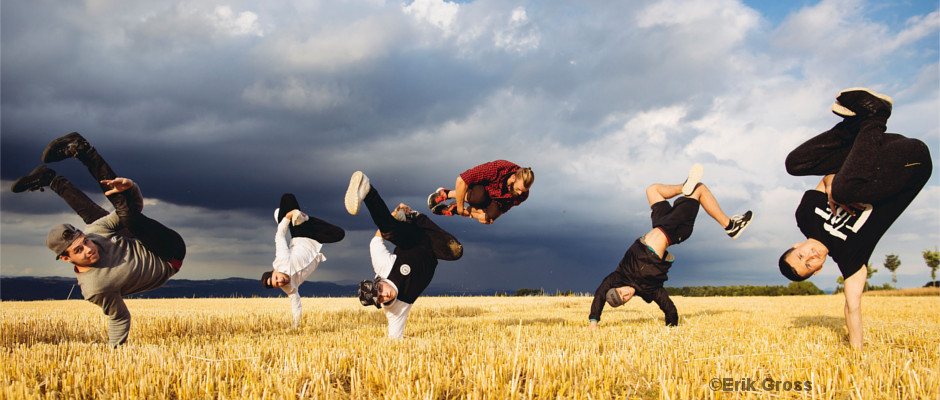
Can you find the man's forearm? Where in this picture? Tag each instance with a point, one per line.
(853, 322)
(296, 308)
(854, 286)
(133, 200)
(600, 297)
(460, 193)
(282, 253)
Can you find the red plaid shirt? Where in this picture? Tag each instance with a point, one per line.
(493, 175)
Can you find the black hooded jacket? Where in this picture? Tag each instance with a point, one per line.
(643, 270)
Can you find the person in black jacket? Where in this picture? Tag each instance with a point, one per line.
(401, 276)
(643, 268)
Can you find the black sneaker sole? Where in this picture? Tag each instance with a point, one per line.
(53, 151)
(33, 180)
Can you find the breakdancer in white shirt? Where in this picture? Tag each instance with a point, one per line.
(294, 262)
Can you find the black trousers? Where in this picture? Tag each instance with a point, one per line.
(315, 228)
(87, 209)
(870, 165)
(420, 231)
(160, 240)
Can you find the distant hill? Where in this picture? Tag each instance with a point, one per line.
(59, 288)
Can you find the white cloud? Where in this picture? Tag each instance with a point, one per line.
(841, 33)
(918, 27)
(700, 28)
(243, 23)
(519, 35)
(332, 46)
(438, 13)
(656, 124)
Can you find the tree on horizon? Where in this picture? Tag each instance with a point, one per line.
(892, 262)
(932, 258)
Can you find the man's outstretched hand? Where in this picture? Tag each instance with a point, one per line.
(118, 185)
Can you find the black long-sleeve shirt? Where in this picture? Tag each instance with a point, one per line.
(643, 270)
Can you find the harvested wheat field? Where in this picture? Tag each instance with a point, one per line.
(474, 347)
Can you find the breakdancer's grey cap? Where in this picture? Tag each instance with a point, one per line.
(613, 298)
(61, 237)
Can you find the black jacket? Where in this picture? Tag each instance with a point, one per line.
(643, 270)
(412, 272)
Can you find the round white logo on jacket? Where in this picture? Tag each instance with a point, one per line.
(405, 269)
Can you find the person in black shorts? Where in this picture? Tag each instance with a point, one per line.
(869, 178)
(643, 268)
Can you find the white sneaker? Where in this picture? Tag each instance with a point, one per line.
(695, 176)
(357, 191)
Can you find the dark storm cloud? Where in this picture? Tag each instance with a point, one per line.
(215, 110)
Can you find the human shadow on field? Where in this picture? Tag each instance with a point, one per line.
(632, 322)
(54, 334)
(529, 321)
(433, 331)
(708, 313)
(834, 324)
(448, 312)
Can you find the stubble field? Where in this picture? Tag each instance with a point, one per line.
(474, 347)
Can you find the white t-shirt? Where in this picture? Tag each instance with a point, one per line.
(298, 261)
(397, 311)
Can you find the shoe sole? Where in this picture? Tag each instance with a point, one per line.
(49, 156)
(431, 202)
(842, 111)
(22, 184)
(438, 209)
(695, 176)
(352, 193)
(748, 223)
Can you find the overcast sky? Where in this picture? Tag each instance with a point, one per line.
(216, 108)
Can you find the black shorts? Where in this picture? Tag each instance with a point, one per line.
(675, 220)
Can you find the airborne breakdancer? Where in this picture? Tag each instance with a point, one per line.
(484, 192)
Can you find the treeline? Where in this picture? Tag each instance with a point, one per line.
(804, 288)
(535, 292)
